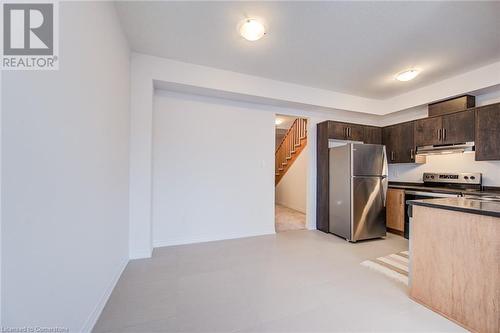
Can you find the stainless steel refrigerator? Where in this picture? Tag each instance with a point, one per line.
(358, 190)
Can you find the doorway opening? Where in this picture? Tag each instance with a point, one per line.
(291, 160)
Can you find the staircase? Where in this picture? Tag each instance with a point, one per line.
(289, 149)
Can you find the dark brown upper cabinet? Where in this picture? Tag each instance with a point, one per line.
(487, 138)
(373, 135)
(452, 128)
(389, 139)
(452, 105)
(345, 131)
(458, 127)
(428, 131)
(399, 142)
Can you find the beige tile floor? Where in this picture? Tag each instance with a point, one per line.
(296, 281)
(288, 219)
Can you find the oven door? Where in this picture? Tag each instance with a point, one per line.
(415, 195)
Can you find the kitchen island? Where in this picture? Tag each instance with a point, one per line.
(455, 260)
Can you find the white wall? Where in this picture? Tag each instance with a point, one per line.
(291, 191)
(213, 169)
(65, 175)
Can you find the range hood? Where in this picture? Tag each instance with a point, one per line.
(445, 149)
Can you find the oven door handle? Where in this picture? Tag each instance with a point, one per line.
(433, 194)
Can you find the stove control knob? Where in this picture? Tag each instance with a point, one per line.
(472, 177)
(467, 177)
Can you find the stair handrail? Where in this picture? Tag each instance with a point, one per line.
(286, 134)
(291, 142)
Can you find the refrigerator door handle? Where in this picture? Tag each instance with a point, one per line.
(385, 186)
(385, 167)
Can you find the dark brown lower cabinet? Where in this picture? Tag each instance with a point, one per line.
(487, 132)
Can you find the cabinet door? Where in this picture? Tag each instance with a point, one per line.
(399, 143)
(373, 135)
(488, 133)
(345, 131)
(395, 209)
(389, 136)
(337, 130)
(428, 131)
(390, 140)
(405, 143)
(355, 132)
(458, 127)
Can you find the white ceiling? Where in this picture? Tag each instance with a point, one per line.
(349, 47)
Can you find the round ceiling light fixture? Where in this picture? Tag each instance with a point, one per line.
(278, 121)
(252, 29)
(408, 75)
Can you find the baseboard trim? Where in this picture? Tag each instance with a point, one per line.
(193, 240)
(94, 316)
(394, 231)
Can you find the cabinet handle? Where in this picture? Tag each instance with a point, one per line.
(444, 134)
(349, 131)
(345, 132)
(439, 134)
(412, 154)
(392, 155)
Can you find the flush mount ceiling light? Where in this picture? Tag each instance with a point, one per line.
(252, 29)
(407, 75)
(278, 121)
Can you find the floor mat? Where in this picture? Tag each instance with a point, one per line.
(394, 266)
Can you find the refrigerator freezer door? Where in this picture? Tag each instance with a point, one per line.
(368, 207)
(369, 160)
(340, 191)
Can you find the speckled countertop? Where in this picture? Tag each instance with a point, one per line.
(466, 205)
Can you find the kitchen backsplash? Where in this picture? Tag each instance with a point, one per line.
(447, 163)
